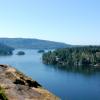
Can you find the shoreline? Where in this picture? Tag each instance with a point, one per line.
(18, 86)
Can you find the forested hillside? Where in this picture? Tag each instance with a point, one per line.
(24, 43)
(5, 50)
(76, 56)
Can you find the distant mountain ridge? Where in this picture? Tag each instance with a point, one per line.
(27, 43)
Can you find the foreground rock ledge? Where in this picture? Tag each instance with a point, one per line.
(17, 86)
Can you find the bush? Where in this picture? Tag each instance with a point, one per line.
(2, 94)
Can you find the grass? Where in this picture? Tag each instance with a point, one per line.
(2, 94)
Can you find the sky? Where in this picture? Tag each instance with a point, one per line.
(70, 21)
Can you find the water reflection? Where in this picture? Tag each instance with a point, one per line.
(86, 70)
(62, 81)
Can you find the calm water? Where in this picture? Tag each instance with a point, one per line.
(68, 85)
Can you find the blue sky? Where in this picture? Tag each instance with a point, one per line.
(69, 21)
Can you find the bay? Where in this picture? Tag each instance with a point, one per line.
(68, 85)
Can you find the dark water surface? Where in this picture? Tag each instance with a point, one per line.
(68, 85)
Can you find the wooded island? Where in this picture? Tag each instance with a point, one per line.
(75, 56)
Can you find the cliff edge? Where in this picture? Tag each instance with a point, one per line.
(17, 86)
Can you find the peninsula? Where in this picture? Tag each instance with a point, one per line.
(14, 85)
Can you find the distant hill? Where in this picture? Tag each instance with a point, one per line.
(24, 43)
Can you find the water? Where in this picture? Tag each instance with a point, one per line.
(68, 85)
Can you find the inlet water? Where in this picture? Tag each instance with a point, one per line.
(68, 85)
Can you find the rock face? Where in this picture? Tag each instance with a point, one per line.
(17, 86)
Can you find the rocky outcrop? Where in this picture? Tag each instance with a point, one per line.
(17, 86)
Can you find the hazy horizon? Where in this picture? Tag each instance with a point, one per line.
(75, 22)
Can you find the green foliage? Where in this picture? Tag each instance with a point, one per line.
(76, 56)
(21, 53)
(5, 50)
(41, 51)
(2, 94)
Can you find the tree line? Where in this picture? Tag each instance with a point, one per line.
(5, 50)
(75, 56)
